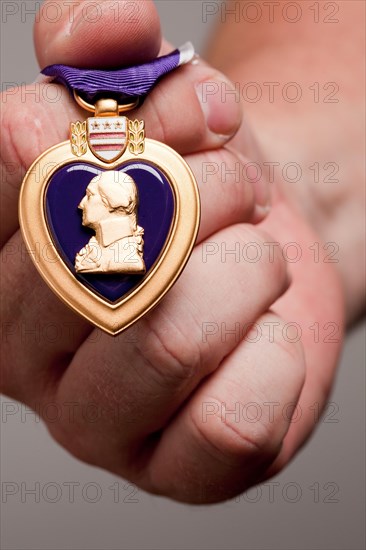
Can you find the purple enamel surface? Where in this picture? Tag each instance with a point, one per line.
(155, 214)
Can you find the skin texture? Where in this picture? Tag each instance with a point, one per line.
(162, 388)
(326, 61)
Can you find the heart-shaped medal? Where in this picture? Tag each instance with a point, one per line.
(112, 216)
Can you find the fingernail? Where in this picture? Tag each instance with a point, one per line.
(220, 103)
(260, 213)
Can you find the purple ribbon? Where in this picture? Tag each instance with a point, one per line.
(134, 81)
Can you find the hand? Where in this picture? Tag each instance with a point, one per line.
(156, 386)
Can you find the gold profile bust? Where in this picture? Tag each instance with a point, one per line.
(110, 208)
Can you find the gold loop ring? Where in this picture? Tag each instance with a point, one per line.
(91, 108)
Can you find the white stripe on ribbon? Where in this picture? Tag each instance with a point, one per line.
(186, 53)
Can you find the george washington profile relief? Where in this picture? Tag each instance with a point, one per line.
(110, 208)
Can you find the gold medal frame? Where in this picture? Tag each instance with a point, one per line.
(115, 317)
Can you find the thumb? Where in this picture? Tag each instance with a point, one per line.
(99, 34)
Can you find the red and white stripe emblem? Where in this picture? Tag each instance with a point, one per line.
(107, 136)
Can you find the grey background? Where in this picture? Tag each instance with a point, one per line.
(317, 503)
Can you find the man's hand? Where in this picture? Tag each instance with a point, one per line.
(189, 403)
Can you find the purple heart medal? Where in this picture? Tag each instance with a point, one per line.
(115, 214)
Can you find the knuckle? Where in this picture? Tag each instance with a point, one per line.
(29, 108)
(155, 118)
(73, 440)
(281, 327)
(286, 336)
(196, 137)
(10, 121)
(242, 192)
(161, 124)
(230, 438)
(231, 182)
(262, 255)
(273, 263)
(174, 357)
